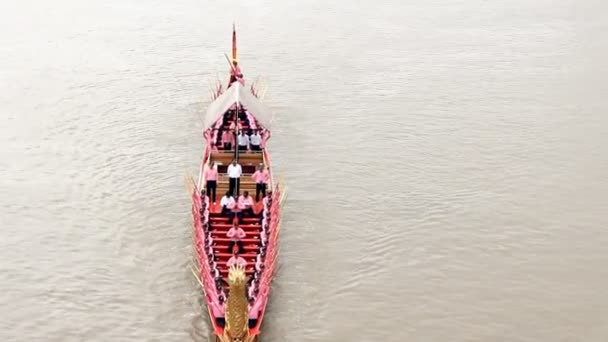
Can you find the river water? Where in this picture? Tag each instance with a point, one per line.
(445, 164)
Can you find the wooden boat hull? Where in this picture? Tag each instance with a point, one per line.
(210, 227)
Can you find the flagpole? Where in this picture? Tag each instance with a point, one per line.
(234, 54)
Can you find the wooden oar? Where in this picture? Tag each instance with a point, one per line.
(197, 279)
(189, 183)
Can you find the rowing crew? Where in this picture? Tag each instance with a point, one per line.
(252, 292)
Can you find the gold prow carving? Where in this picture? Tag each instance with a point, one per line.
(237, 312)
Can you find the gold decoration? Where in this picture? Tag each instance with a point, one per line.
(237, 312)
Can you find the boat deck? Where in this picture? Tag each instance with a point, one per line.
(235, 107)
(219, 225)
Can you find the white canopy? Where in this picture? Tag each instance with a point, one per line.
(237, 93)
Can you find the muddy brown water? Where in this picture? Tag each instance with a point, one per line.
(445, 163)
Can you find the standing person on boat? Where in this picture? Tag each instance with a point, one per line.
(211, 177)
(236, 259)
(228, 139)
(246, 204)
(260, 177)
(243, 141)
(255, 140)
(234, 176)
(225, 203)
(235, 234)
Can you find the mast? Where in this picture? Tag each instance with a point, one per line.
(236, 129)
(235, 73)
(236, 83)
(234, 55)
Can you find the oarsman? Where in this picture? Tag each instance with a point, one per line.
(236, 210)
(235, 234)
(236, 259)
(254, 311)
(246, 204)
(225, 203)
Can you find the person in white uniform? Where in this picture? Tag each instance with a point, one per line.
(243, 141)
(234, 177)
(255, 140)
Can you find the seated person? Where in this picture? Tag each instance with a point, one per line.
(219, 285)
(246, 203)
(267, 201)
(263, 252)
(236, 259)
(236, 210)
(243, 115)
(209, 249)
(212, 261)
(227, 117)
(204, 199)
(217, 308)
(259, 264)
(254, 277)
(253, 291)
(235, 127)
(254, 311)
(235, 234)
(219, 293)
(263, 238)
(208, 240)
(225, 203)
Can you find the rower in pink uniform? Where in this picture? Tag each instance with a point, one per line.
(254, 311)
(236, 210)
(235, 234)
(246, 204)
(236, 259)
(217, 308)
